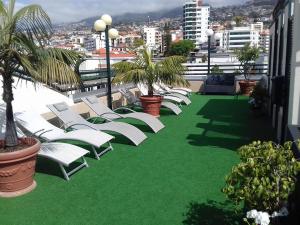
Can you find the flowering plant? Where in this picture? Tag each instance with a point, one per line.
(265, 176)
(263, 218)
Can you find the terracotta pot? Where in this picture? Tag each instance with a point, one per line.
(247, 87)
(151, 104)
(17, 169)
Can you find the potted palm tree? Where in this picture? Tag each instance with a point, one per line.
(144, 70)
(23, 35)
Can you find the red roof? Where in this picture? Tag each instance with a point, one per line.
(113, 54)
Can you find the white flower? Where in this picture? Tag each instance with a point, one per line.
(252, 214)
(275, 214)
(262, 218)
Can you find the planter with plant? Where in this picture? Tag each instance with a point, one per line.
(23, 35)
(143, 70)
(247, 56)
(264, 178)
(259, 100)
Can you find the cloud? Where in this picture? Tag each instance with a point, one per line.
(75, 10)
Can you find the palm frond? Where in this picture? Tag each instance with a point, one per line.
(136, 76)
(69, 57)
(52, 71)
(3, 13)
(10, 9)
(122, 67)
(170, 71)
(34, 22)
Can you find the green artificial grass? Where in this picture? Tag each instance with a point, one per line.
(173, 178)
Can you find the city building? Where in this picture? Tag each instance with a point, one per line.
(238, 37)
(264, 40)
(153, 39)
(176, 35)
(95, 41)
(128, 38)
(258, 26)
(195, 20)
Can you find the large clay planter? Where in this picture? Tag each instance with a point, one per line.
(151, 104)
(17, 169)
(247, 87)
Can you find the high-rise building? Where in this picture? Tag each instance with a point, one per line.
(196, 21)
(153, 38)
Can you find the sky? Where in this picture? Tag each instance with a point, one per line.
(76, 10)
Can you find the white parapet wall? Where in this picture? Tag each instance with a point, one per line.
(28, 96)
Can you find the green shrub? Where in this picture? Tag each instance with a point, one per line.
(216, 70)
(182, 48)
(265, 176)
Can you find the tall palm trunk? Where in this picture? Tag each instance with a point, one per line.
(11, 138)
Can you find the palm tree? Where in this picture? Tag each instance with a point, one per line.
(144, 70)
(23, 36)
(238, 20)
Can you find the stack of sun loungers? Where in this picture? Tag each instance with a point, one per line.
(80, 130)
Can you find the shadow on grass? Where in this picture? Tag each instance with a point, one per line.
(230, 125)
(51, 168)
(228, 143)
(211, 213)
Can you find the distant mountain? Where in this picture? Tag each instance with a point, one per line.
(178, 13)
(140, 17)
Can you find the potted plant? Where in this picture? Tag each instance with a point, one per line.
(247, 56)
(259, 100)
(144, 70)
(23, 35)
(264, 178)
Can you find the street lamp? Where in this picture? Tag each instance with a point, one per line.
(201, 41)
(209, 33)
(103, 25)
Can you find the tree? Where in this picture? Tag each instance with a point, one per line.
(144, 70)
(247, 56)
(23, 35)
(138, 43)
(182, 48)
(238, 20)
(167, 39)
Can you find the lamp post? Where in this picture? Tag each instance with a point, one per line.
(103, 25)
(209, 34)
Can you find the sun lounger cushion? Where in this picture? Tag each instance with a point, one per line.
(60, 107)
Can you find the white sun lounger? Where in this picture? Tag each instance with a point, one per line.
(161, 91)
(188, 90)
(106, 113)
(36, 125)
(73, 120)
(169, 90)
(64, 154)
(133, 100)
(144, 90)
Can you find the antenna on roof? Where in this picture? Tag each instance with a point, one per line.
(148, 20)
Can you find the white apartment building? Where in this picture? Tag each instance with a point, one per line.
(238, 37)
(196, 20)
(264, 40)
(128, 38)
(77, 39)
(153, 38)
(258, 26)
(95, 42)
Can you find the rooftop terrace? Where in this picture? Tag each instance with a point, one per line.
(174, 177)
